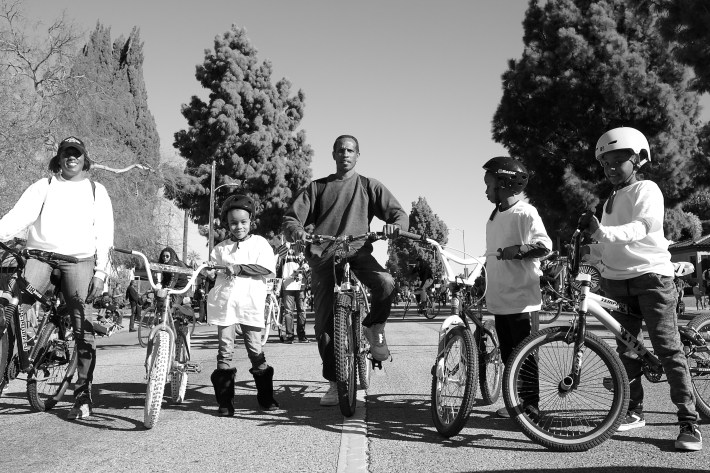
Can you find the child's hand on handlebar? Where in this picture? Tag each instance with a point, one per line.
(509, 253)
(588, 222)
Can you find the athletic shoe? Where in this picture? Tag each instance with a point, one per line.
(378, 343)
(330, 398)
(81, 408)
(304, 340)
(633, 420)
(689, 437)
(503, 413)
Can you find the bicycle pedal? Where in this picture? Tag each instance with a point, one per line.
(193, 367)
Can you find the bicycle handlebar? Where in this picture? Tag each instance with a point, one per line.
(45, 256)
(173, 269)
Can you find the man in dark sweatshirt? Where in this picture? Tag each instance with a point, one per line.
(344, 203)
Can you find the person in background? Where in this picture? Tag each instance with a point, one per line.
(134, 299)
(293, 267)
(72, 215)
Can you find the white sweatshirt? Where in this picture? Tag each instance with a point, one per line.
(513, 286)
(72, 222)
(631, 240)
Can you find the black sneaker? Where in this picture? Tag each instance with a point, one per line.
(503, 413)
(304, 340)
(81, 408)
(288, 340)
(633, 420)
(689, 437)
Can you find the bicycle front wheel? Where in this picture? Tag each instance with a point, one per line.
(147, 322)
(549, 412)
(699, 364)
(157, 377)
(178, 377)
(345, 354)
(53, 368)
(429, 311)
(490, 368)
(453, 386)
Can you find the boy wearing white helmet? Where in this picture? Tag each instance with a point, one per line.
(636, 270)
(513, 278)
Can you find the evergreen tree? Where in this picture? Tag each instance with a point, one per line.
(249, 127)
(681, 225)
(588, 67)
(403, 253)
(108, 109)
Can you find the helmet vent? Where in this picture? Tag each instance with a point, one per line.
(612, 142)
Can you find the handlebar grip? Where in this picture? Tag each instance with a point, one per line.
(411, 236)
(121, 250)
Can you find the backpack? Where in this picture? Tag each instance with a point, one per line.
(364, 182)
(49, 181)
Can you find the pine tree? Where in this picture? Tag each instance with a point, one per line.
(588, 67)
(403, 253)
(249, 127)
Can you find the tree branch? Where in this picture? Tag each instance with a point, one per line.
(118, 171)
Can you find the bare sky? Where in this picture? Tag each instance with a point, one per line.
(416, 81)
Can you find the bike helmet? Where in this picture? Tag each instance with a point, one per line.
(510, 172)
(238, 201)
(624, 138)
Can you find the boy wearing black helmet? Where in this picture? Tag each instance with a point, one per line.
(238, 297)
(513, 278)
(636, 270)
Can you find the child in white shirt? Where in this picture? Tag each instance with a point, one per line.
(239, 297)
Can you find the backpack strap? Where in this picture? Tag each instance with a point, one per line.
(49, 181)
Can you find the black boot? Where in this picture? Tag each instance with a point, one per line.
(264, 380)
(223, 382)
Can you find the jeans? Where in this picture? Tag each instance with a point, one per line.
(75, 287)
(654, 297)
(372, 275)
(293, 302)
(252, 342)
(135, 314)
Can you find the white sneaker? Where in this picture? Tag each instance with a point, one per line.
(378, 343)
(330, 398)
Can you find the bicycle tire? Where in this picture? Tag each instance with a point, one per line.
(565, 421)
(344, 355)
(147, 322)
(490, 364)
(4, 357)
(157, 377)
(364, 367)
(429, 311)
(269, 318)
(596, 278)
(53, 368)
(178, 377)
(455, 368)
(700, 360)
(550, 310)
(406, 308)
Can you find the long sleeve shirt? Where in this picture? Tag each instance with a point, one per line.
(631, 240)
(64, 217)
(342, 209)
(513, 286)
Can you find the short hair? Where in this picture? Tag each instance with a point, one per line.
(347, 137)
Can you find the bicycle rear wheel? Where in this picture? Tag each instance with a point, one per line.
(178, 377)
(345, 354)
(157, 377)
(364, 367)
(429, 311)
(453, 384)
(490, 369)
(147, 322)
(565, 419)
(270, 316)
(699, 364)
(54, 365)
(551, 307)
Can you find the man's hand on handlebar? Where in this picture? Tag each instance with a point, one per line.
(390, 230)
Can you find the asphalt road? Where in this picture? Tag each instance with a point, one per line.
(392, 430)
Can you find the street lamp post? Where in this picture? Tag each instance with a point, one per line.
(463, 238)
(213, 192)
